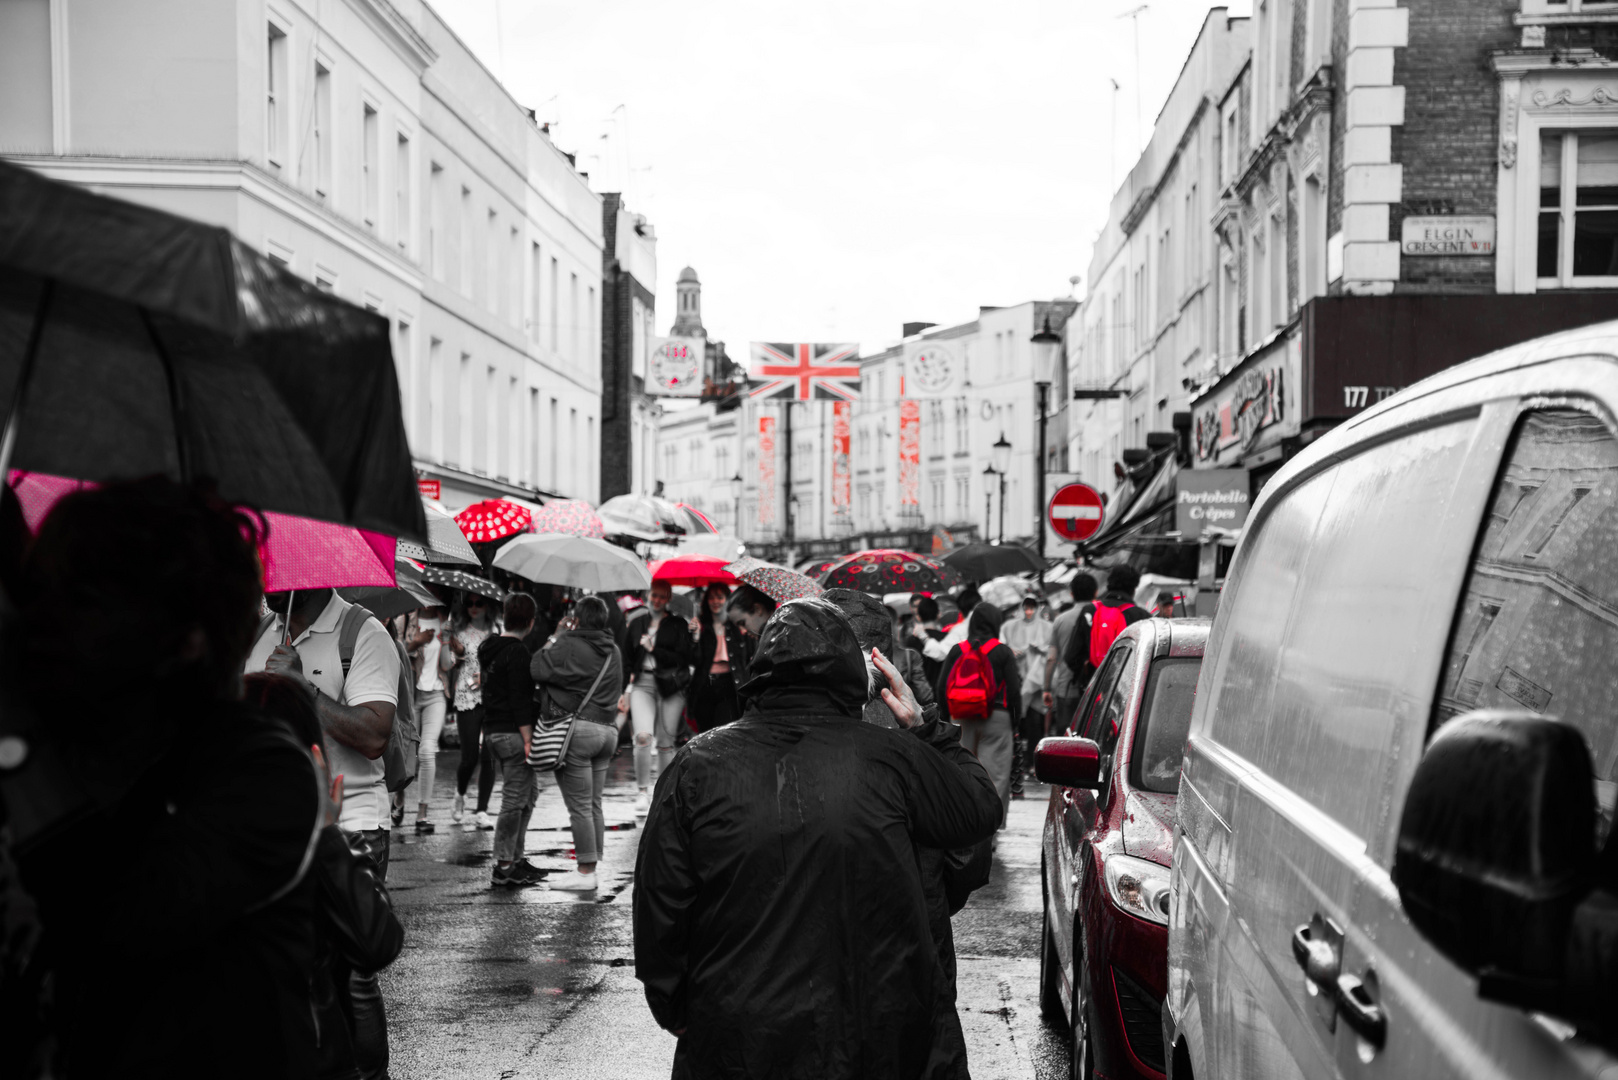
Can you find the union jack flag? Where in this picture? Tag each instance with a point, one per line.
(804, 371)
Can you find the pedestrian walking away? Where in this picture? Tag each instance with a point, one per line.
(431, 661)
(578, 674)
(1028, 635)
(1061, 688)
(713, 699)
(474, 624)
(661, 653)
(1107, 616)
(928, 639)
(508, 723)
(781, 923)
(355, 701)
(980, 687)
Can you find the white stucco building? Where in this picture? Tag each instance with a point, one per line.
(361, 144)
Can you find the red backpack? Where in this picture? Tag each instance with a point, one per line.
(970, 690)
(1105, 626)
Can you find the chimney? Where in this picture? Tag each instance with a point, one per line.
(914, 328)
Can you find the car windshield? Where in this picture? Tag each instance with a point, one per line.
(1165, 718)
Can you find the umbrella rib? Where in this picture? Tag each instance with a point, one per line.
(8, 442)
(177, 405)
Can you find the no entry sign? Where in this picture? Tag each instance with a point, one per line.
(1076, 511)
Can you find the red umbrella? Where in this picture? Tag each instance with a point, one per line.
(299, 553)
(886, 570)
(575, 517)
(494, 519)
(693, 570)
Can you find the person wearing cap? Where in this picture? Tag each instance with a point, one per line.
(781, 921)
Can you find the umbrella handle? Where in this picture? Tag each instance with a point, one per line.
(291, 594)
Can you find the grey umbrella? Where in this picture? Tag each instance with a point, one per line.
(445, 541)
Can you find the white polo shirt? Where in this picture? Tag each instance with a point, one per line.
(373, 675)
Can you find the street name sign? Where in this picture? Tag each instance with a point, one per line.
(1076, 512)
(1447, 235)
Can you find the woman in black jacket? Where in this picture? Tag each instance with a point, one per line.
(713, 684)
(659, 671)
(580, 672)
(990, 737)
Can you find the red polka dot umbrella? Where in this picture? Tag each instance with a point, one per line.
(574, 517)
(493, 519)
(886, 570)
(776, 582)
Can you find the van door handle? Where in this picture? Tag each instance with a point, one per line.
(1317, 958)
(1360, 1010)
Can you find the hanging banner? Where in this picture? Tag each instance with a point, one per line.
(841, 473)
(909, 453)
(766, 472)
(676, 367)
(934, 369)
(804, 371)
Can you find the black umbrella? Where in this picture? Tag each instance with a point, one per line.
(135, 342)
(458, 579)
(980, 562)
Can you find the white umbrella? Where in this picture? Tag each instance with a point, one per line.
(579, 562)
(645, 517)
(445, 541)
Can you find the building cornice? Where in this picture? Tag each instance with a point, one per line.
(396, 30)
(1519, 62)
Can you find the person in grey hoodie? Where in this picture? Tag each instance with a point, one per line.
(580, 671)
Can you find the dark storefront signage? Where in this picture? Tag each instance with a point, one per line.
(1258, 400)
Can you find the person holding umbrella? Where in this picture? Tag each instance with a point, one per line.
(660, 656)
(474, 624)
(713, 684)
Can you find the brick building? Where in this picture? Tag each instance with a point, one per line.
(1375, 223)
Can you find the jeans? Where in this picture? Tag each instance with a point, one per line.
(366, 1014)
(516, 797)
(654, 716)
(1029, 732)
(430, 706)
(475, 757)
(990, 740)
(582, 778)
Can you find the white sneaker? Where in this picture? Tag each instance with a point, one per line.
(574, 882)
(459, 812)
(484, 821)
(643, 805)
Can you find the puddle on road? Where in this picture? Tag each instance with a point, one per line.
(471, 858)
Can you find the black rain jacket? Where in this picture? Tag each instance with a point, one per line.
(781, 924)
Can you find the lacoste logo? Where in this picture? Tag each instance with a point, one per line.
(317, 671)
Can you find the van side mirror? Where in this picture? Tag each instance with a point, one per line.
(1497, 848)
(1068, 761)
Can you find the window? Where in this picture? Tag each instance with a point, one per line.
(591, 353)
(435, 220)
(276, 103)
(556, 312)
(463, 269)
(1278, 273)
(532, 474)
(402, 361)
(503, 467)
(325, 280)
(491, 263)
(401, 191)
(369, 151)
(962, 494)
(1165, 719)
(591, 455)
(1578, 200)
(320, 133)
(573, 441)
(460, 441)
(573, 320)
(555, 428)
(537, 266)
(432, 416)
(1537, 624)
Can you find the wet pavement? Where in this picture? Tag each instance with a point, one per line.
(504, 984)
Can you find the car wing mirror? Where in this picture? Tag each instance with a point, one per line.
(1068, 761)
(1496, 850)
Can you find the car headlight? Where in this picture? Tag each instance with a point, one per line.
(1138, 887)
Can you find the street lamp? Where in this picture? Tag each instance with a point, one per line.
(736, 497)
(1047, 354)
(988, 501)
(1002, 465)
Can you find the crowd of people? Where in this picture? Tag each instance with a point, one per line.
(846, 772)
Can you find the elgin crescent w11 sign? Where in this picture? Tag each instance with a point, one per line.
(1076, 511)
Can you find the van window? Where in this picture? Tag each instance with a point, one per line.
(1353, 674)
(1537, 627)
(1165, 716)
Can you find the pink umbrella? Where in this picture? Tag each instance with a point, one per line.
(575, 517)
(299, 553)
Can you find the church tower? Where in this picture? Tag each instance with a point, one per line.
(688, 306)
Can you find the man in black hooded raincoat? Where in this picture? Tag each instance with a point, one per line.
(781, 925)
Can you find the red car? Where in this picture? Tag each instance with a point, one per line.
(1109, 835)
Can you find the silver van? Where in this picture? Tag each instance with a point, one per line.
(1392, 854)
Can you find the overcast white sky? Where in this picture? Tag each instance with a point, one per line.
(837, 168)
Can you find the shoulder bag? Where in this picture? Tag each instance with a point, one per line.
(549, 743)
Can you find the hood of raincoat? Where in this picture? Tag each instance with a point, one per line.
(808, 660)
(984, 623)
